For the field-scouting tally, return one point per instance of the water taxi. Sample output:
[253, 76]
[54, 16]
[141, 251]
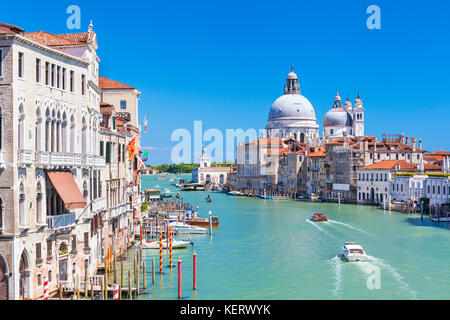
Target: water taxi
[316, 216]
[153, 194]
[353, 252]
[182, 228]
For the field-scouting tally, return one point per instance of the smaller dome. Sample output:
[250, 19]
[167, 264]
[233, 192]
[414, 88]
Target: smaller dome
[358, 100]
[337, 117]
[347, 104]
[337, 98]
[292, 76]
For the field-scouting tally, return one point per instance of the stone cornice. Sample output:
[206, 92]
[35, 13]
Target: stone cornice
[45, 48]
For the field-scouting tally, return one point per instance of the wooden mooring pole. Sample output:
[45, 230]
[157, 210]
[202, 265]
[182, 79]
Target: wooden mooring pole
[130, 296]
[144, 280]
[153, 270]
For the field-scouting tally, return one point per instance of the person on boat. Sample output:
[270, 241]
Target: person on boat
[208, 198]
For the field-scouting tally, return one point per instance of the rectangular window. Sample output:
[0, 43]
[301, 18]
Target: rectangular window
[83, 84]
[1, 62]
[86, 240]
[74, 243]
[38, 70]
[71, 81]
[58, 76]
[108, 152]
[53, 75]
[47, 64]
[38, 251]
[49, 248]
[21, 65]
[123, 104]
[114, 122]
[64, 78]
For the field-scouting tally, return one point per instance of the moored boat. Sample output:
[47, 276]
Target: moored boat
[182, 228]
[176, 244]
[204, 221]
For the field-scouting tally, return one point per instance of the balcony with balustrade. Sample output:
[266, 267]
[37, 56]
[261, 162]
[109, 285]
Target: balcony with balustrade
[25, 158]
[61, 221]
[46, 159]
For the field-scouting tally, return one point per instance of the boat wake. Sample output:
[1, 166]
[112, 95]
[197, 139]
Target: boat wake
[349, 226]
[380, 263]
[337, 266]
[315, 225]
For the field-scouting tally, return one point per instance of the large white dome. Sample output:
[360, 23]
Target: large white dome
[292, 107]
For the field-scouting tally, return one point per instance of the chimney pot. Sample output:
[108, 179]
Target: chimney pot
[407, 140]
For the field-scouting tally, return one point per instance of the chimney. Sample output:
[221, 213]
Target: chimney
[420, 143]
[366, 145]
[407, 140]
[413, 142]
[375, 144]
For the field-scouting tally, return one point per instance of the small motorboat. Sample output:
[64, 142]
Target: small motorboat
[353, 252]
[182, 228]
[208, 198]
[177, 196]
[167, 190]
[316, 216]
[204, 221]
[176, 244]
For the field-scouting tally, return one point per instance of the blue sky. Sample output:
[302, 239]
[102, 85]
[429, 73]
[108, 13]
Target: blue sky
[225, 62]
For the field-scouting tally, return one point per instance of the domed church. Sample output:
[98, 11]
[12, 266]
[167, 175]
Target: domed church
[292, 115]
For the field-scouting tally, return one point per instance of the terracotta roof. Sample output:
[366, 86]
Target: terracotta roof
[320, 153]
[440, 153]
[9, 28]
[390, 165]
[275, 151]
[431, 166]
[60, 40]
[433, 158]
[105, 83]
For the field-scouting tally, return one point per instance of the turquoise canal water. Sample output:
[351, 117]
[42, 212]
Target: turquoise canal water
[268, 249]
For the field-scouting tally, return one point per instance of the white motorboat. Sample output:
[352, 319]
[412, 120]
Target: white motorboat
[167, 190]
[176, 244]
[182, 228]
[353, 252]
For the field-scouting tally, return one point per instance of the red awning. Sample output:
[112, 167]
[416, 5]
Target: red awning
[67, 189]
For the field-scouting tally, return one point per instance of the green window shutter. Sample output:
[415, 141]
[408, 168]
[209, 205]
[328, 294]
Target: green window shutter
[108, 152]
[101, 148]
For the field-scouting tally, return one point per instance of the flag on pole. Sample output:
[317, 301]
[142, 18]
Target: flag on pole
[130, 147]
[145, 156]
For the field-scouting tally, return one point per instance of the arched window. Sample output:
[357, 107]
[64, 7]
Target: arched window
[85, 190]
[302, 137]
[2, 209]
[72, 134]
[221, 179]
[64, 133]
[58, 133]
[1, 129]
[84, 137]
[47, 130]
[21, 128]
[37, 134]
[39, 211]
[22, 217]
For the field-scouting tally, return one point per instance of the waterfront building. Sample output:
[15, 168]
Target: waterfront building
[374, 180]
[343, 119]
[345, 155]
[125, 100]
[317, 171]
[118, 225]
[50, 161]
[205, 174]
[292, 115]
[257, 165]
